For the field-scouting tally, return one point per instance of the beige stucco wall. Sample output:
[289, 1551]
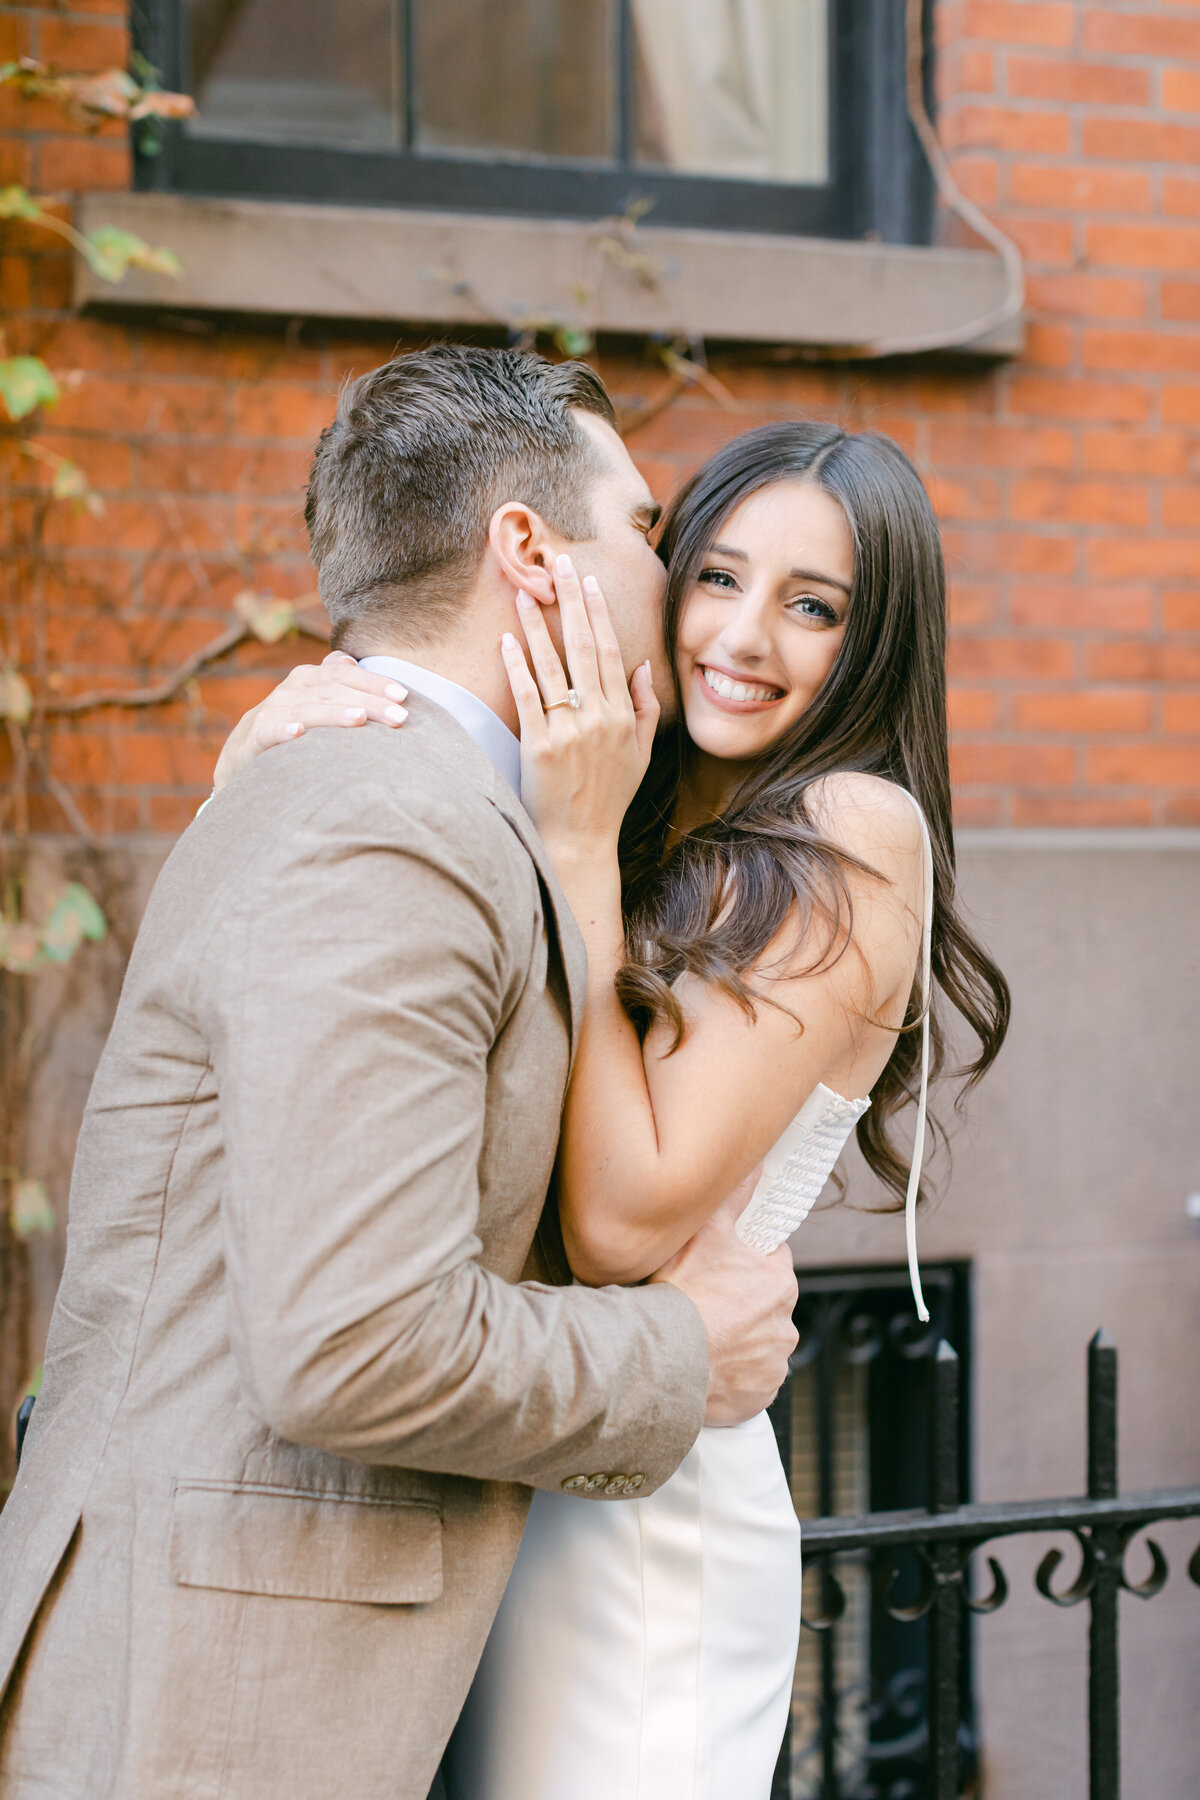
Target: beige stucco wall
[1068, 1189]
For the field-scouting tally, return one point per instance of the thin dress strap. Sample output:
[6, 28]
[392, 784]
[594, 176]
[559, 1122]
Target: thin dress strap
[914, 1172]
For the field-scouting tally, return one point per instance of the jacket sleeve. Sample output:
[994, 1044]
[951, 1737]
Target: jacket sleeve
[364, 981]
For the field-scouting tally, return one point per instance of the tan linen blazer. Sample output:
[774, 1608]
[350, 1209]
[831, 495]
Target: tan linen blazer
[296, 1392]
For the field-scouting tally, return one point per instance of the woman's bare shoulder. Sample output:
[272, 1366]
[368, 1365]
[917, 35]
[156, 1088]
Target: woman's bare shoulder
[871, 817]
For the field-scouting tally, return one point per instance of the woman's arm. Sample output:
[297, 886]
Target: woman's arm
[653, 1142]
[333, 692]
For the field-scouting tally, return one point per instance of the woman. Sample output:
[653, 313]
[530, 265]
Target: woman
[767, 899]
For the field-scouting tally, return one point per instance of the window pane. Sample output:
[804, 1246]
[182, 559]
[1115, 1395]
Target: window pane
[733, 87]
[296, 71]
[522, 77]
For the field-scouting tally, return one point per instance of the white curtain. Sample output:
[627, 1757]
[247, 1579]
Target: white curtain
[734, 87]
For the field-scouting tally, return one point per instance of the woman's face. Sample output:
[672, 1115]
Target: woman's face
[764, 620]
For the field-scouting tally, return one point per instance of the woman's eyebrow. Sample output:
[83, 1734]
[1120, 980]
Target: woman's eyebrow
[793, 574]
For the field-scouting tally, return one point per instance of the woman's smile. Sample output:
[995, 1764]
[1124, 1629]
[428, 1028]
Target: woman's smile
[732, 691]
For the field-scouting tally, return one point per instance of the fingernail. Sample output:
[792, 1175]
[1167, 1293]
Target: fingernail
[524, 599]
[355, 712]
[394, 691]
[563, 564]
[395, 715]
[590, 585]
[509, 641]
[293, 730]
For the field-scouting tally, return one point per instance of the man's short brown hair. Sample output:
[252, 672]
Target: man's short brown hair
[421, 453]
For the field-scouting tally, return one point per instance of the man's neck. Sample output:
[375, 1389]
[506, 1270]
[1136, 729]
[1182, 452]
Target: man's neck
[474, 666]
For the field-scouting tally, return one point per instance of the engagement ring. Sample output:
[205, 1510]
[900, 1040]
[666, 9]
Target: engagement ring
[570, 699]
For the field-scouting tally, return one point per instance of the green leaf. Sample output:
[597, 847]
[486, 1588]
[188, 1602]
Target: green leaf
[30, 1209]
[268, 618]
[16, 701]
[74, 917]
[572, 340]
[18, 203]
[112, 251]
[25, 384]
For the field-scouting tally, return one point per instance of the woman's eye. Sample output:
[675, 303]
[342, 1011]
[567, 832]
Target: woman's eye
[811, 608]
[719, 578]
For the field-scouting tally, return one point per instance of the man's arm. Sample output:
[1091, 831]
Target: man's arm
[372, 967]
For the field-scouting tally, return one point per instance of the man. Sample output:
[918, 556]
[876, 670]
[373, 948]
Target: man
[307, 1360]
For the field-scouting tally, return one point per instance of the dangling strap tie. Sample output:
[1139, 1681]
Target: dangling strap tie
[914, 1173]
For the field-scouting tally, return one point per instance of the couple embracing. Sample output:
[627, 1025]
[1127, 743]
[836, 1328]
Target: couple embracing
[360, 1465]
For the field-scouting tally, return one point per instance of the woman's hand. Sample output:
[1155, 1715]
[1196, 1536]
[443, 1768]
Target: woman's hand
[334, 692]
[582, 760]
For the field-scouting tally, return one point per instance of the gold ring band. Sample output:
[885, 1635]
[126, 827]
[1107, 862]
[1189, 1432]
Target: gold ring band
[571, 699]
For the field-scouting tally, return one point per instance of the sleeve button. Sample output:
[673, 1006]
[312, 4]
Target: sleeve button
[573, 1483]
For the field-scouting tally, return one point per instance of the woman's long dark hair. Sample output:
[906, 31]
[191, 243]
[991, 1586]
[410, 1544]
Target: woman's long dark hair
[714, 904]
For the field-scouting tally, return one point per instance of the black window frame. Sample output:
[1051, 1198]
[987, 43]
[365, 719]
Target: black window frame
[879, 184]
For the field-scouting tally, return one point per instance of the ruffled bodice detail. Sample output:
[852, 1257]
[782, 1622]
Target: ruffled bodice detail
[798, 1167]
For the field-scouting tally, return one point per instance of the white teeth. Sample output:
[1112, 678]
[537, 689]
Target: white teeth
[737, 690]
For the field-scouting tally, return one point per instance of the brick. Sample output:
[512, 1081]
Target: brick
[220, 469]
[1181, 507]
[145, 408]
[1141, 34]
[957, 444]
[1136, 660]
[76, 165]
[1044, 396]
[106, 462]
[1140, 140]
[972, 709]
[133, 525]
[1181, 809]
[1044, 810]
[1072, 80]
[973, 603]
[967, 70]
[1048, 346]
[1126, 452]
[1007, 128]
[1042, 607]
[978, 177]
[79, 48]
[1144, 246]
[53, 282]
[1181, 196]
[16, 162]
[1102, 710]
[1074, 188]
[1142, 352]
[1053, 499]
[1011, 659]
[89, 344]
[1181, 90]
[1043, 242]
[1088, 296]
[1181, 714]
[1124, 559]
[1144, 765]
[223, 353]
[1181, 609]
[1181, 404]
[1020, 22]
[173, 813]
[963, 498]
[1036, 765]
[277, 411]
[974, 809]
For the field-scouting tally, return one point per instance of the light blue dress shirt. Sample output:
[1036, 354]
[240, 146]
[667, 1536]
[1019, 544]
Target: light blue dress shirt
[477, 719]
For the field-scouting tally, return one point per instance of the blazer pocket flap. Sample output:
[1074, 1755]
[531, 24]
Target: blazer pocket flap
[305, 1546]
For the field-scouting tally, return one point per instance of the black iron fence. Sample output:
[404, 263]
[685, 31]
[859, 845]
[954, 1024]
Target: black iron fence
[934, 1758]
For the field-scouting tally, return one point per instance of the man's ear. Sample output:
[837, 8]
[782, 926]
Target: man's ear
[520, 542]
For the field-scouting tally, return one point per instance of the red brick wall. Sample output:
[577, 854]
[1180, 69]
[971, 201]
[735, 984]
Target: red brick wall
[1066, 481]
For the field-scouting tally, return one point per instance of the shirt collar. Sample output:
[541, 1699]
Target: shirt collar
[477, 719]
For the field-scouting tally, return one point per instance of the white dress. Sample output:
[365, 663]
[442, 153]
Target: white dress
[645, 1649]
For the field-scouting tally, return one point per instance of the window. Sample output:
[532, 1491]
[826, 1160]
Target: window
[852, 1424]
[754, 115]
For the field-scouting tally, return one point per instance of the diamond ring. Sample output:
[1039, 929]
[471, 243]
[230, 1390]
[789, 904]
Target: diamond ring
[571, 699]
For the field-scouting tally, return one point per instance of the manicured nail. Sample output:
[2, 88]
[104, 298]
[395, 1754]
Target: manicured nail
[590, 585]
[353, 714]
[563, 564]
[395, 715]
[524, 599]
[292, 730]
[394, 691]
[509, 641]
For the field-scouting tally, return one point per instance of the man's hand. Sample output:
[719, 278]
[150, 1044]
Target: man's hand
[333, 692]
[746, 1301]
